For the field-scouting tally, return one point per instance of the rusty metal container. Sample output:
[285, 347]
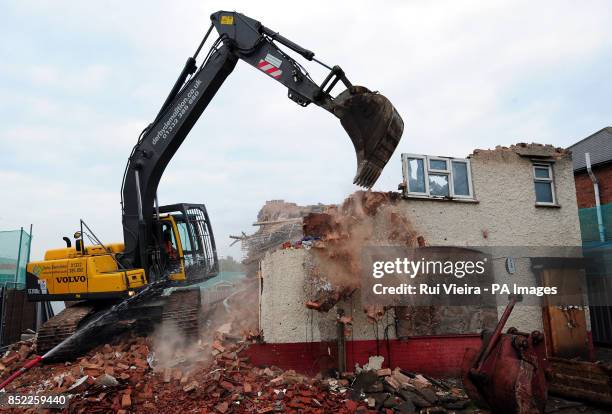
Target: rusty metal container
[507, 375]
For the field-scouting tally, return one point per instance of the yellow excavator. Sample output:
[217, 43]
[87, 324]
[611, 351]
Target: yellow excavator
[173, 245]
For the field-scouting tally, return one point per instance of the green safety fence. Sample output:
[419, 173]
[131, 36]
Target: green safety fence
[14, 256]
[588, 223]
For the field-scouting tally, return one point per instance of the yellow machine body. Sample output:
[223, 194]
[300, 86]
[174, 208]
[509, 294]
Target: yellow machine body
[93, 272]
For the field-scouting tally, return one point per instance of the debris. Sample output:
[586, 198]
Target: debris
[190, 379]
[192, 386]
[79, 385]
[374, 364]
[384, 372]
[106, 380]
[126, 401]
[181, 379]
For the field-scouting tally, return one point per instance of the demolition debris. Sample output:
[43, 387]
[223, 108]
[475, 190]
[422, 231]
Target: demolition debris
[127, 376]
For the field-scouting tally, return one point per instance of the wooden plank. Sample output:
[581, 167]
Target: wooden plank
[584, 381]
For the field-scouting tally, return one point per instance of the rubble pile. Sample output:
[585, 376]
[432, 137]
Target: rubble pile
[398, 391]
[127, 377]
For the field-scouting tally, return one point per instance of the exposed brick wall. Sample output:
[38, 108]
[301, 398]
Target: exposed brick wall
[584, 186]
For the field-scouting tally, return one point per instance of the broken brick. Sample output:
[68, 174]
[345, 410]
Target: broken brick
[8, 360]
[226, 386]
[217, 345]
[167, 374]
[192, 386]
[126, 401]
[177, 374]
[222, 407]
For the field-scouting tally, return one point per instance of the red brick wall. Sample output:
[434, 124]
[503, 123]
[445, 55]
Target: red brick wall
[584, 186]
[438, 356]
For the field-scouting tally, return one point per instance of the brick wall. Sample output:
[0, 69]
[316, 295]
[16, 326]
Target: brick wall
[437, 356]
[584, 186]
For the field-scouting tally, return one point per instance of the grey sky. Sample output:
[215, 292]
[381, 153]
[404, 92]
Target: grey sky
[79, 80]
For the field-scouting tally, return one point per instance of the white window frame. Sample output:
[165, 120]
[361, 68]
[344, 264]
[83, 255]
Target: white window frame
[550, 179]
[405, 160]
[427, 170]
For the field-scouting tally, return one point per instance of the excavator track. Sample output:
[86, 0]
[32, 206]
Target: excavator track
[182, 310]
[60, 327]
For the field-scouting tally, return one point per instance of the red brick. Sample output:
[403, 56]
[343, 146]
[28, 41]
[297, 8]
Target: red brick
[126, 401]
[226, 386]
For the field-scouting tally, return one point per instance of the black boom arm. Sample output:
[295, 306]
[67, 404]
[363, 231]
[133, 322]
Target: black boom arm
[240, 37]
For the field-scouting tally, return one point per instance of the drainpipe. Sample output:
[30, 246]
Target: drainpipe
[600, 226]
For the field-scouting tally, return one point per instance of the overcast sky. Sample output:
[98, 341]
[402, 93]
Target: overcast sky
[80, 79]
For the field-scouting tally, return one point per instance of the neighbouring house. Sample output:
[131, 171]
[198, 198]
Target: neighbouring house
[592, 158]
[521, 196]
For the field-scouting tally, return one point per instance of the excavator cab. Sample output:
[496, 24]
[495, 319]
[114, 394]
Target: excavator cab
[187, 246]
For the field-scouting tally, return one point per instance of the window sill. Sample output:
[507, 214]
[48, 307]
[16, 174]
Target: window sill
[548, 205]
[448, 199]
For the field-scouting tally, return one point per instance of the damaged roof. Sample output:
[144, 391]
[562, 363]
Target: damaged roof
[533, 150]
[599, 145]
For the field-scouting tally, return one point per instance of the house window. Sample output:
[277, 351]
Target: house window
[544, 184]
[437, 177]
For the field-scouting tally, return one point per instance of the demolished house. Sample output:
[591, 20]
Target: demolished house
[278, 221]
[520, 196]
[297, 337]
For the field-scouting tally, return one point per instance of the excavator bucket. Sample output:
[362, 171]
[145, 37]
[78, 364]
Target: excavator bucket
[374, 126]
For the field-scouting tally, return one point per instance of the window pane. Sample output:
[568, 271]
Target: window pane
[542, 172]
[543, 192]
[416, 175]
[438, 184]
[184, 235]
[460, 179]
[437, 164]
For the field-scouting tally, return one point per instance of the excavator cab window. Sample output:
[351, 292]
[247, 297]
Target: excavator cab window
[170, 246]
[183, 231]
[192, 237]
[170, 250]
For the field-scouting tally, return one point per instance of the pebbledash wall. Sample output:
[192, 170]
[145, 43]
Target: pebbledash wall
[503, 212]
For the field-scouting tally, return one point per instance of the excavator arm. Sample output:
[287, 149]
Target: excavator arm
[371, 121]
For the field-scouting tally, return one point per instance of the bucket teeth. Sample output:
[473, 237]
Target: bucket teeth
[367, 174]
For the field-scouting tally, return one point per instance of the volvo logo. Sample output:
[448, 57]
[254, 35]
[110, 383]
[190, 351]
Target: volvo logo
[70, 279]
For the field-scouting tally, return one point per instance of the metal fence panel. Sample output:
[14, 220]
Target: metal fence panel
[14, 256]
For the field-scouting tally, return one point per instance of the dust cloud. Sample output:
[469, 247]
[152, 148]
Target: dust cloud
[231, 316]
[365, 218]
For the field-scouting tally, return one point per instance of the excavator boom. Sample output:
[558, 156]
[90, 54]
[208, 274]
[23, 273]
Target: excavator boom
[371, 121]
